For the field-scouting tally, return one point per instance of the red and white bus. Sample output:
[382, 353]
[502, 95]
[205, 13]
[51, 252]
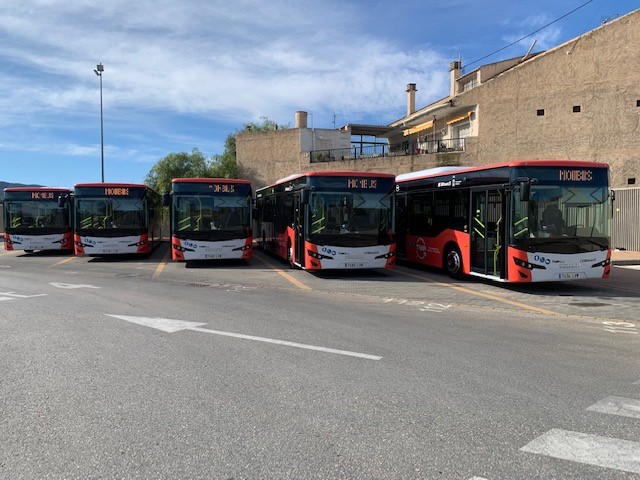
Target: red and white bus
[34, 221]
[115, 218]
[521, 221]
[329, 220]
[210, 218]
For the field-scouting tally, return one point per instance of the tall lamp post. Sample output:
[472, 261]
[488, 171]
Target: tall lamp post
[99, 69]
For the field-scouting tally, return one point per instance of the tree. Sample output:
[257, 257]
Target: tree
[185, 165]
[226, 165]
[178, 165]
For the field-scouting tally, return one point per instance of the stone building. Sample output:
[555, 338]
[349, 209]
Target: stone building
[577, 101]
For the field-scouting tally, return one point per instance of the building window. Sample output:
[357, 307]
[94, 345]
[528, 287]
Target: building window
[637, 103]
[470, 84]
[576, 109]
[631, 181]
[540, 112]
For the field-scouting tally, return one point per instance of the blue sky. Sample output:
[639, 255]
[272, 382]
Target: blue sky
[183, 75]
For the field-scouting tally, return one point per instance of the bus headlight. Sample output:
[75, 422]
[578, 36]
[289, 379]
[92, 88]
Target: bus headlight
[137, 244]
[387, 255]
[528, 265]
[242, 248]
[604, 263]
[319, 256]
[183, 249]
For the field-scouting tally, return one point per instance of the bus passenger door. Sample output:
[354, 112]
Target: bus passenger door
[298, 229]
[487, 232]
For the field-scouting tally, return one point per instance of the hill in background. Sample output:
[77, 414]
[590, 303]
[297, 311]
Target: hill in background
[4, 185]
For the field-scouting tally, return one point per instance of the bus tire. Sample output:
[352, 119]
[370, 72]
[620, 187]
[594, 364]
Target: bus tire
[453, 261]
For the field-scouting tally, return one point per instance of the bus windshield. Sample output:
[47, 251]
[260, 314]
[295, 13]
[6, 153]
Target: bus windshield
[45, 215]
[350, 218]
[214, 217]
[110, 214]
[562, 219]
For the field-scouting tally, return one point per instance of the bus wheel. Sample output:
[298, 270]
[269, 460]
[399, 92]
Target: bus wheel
[453, 262]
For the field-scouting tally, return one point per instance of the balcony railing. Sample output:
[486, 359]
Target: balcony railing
[412, 147]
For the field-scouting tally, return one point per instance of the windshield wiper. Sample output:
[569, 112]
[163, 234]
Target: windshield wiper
[601, 245]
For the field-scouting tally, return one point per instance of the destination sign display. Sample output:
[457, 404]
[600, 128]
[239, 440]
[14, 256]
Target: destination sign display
[346, 183]
[110, 191]
[116, 192]
[44, 195]
[214, 188]
[50, 196]
[223, 188]
[576, 175]
[362, 183]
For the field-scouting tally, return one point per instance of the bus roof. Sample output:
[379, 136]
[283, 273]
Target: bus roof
[331, 173]
[36, 189]
[434, 172]
[111, 185]
[211, 180]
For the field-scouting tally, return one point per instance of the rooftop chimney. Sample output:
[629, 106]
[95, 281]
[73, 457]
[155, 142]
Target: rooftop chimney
[411, 98]
[301, 119]
[454, 74]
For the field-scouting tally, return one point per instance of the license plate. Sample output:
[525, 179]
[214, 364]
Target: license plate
[354, 265]
[570, 276]
[211, 255]
[110, 250]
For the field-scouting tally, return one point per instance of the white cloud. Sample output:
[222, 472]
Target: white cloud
[228, 60]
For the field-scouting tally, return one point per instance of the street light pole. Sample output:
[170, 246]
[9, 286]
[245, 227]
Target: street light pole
[99, 69]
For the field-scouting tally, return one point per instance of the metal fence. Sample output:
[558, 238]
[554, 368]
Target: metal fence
[625, 227]
[412, 147]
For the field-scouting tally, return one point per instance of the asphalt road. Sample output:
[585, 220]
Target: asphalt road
[145, 368]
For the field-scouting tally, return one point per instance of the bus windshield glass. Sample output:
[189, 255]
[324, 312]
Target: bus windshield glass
[563, 217]
[216, 217]
[350, 218]
[110, 214]
[41, 214]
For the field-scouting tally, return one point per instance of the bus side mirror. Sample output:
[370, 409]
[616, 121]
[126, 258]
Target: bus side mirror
[525, 191]
[62, 199]
[166, 199]
[304, 196]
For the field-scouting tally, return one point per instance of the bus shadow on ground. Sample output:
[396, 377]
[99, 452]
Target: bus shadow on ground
[598, 290]
[366, 274]
[46, 253]
[213, 264]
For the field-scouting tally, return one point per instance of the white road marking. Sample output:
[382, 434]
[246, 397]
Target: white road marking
[422, 305]
[13, 296]
[171, 326]
[625, 407]
[590, 449]
[620, 327]
[71, 285]
[164, 324]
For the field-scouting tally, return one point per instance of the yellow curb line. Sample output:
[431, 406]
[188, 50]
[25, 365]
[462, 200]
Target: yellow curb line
[291, 279]
[162, 263]
[484, 295]
[62, 261]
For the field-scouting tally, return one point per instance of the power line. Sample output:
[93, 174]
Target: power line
[532, 33]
